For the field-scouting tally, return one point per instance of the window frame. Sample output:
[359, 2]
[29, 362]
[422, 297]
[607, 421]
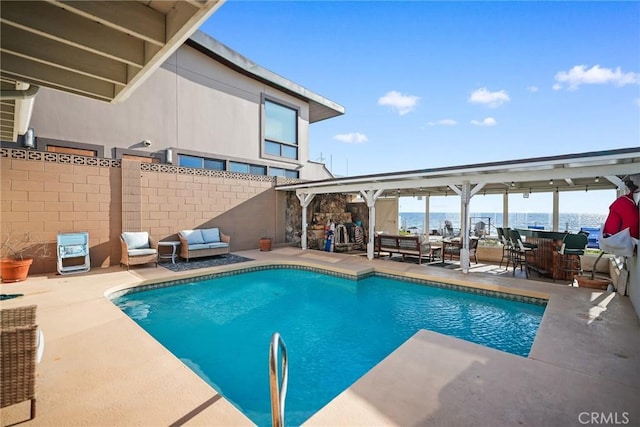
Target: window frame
[120, 154]
[42, 144]
[263, 139]
[250, 168]
[286, 173]
[203, 160]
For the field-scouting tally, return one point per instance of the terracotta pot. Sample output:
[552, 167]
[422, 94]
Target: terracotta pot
[595, 283]
[15, 270]
[265, 245]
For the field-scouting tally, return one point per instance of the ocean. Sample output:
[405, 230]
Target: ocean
[571, 222]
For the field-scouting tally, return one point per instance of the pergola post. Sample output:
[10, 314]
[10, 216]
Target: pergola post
[465, 197]
[427, 223]
[370, 196]
[305, 200]
[505, 210]
[556, 212]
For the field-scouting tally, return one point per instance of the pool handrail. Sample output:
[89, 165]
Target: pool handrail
[278, 391]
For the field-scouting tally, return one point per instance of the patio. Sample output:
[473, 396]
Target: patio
[100, 368]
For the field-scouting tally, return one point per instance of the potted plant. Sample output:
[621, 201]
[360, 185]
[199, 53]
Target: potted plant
[265, 242]
[17, 253]
[590, 281]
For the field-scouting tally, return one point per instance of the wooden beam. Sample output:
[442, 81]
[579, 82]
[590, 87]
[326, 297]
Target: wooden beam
[46, 75]
[129, 17]
[197, 3]
[51, 52]
[175, 36]
[178, 17]
[63, 26]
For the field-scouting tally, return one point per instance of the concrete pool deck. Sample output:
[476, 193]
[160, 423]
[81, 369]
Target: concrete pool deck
[99, 368]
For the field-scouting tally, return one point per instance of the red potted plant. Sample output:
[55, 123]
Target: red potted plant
[265, 242]
[17, 254]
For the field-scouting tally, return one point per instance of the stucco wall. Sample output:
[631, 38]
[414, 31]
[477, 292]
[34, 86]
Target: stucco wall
[191, 102]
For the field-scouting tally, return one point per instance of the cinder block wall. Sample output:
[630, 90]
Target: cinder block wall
[174, 198]
[44, 194]
[42, 198]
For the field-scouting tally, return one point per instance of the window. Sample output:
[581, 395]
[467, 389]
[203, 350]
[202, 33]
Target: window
[284, 172]
[68, 150]
[200, 162]
[142, 159]
[189, 161]
[214, 164]
[247, 168]
[280, 130]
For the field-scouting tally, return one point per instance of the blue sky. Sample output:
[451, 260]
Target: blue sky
[429, 84]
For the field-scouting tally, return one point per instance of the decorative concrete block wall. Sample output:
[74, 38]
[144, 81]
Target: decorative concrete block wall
[45, 193]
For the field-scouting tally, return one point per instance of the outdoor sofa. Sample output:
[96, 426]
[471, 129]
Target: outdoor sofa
[404, 245]
[201, 242]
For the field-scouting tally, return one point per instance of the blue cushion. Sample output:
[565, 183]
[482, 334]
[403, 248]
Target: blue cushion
[194, 237]
[210, 235]
[218, 245]
[197, 246]
[136, 239]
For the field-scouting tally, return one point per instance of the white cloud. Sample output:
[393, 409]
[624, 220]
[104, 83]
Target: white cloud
[488, 121]
[533, 89]
[580, 75]
[399, 102]
[351, 138]
[492, 99]
[443, 122]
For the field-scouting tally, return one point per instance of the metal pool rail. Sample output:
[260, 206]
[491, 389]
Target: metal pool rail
[278, 391]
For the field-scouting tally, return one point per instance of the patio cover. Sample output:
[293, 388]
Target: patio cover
[99, 49]
[596, 170]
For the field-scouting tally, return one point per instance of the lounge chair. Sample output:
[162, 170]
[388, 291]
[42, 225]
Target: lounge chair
[138, 248]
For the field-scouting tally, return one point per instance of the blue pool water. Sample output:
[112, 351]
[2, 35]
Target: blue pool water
[335, 329]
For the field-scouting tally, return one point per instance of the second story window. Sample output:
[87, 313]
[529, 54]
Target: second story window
[280, 130]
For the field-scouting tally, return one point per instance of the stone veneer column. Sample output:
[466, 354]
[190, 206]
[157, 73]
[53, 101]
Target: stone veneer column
[131, 192]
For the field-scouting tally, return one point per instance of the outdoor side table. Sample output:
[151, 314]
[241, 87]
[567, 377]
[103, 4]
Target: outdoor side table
[174, 247]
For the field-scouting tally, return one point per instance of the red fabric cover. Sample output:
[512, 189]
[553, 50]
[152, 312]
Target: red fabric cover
[623, 213]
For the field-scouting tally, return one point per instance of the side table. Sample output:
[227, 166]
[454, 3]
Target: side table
[174, 247]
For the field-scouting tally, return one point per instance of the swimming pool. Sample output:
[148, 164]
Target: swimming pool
[336, 329]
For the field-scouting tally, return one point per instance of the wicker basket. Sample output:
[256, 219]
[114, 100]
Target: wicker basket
[18, 344]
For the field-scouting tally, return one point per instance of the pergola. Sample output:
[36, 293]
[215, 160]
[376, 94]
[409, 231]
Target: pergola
[597, 170]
